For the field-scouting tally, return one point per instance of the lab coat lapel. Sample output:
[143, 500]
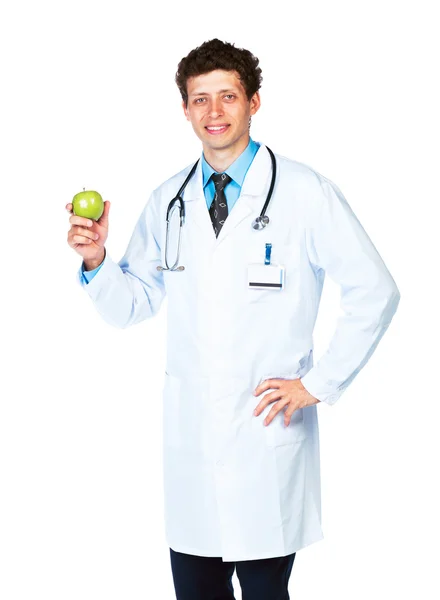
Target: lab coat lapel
[196, 211]
[255, 184]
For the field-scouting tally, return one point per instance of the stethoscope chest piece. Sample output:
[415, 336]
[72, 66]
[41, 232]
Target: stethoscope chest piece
[260, 222]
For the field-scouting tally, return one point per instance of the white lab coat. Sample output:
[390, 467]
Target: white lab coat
[233, 487]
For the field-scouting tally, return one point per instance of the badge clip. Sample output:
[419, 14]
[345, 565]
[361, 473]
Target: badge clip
[268, 253]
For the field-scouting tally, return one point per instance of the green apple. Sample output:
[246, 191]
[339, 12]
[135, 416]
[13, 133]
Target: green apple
[88, 204]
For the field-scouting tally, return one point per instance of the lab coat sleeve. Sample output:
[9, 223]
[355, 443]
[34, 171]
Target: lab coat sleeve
[89, 275]
[338, 244]
[132, 290]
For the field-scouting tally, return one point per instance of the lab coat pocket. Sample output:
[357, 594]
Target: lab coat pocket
[171, 411]
[276, 432]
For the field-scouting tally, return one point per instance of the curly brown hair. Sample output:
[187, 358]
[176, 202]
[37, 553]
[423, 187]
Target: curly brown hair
[216, 54]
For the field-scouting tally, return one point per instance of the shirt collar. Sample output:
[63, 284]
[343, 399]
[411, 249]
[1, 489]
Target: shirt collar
[239, 167]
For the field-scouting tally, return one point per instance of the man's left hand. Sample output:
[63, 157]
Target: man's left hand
[288, 392]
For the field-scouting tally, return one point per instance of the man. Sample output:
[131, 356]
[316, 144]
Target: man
[242, 489]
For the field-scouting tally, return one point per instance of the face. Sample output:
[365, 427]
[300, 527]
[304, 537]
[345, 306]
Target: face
[219, 110]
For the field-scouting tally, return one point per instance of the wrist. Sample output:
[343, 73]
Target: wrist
[310, 398]
[92, 263]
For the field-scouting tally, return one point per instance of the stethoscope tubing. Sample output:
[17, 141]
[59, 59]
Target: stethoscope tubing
[272, 183]
[178, 196]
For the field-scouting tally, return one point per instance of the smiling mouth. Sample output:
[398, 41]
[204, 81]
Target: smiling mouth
[216, 129]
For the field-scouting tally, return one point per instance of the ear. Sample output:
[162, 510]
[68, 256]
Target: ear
[185, 110]
[255, 103]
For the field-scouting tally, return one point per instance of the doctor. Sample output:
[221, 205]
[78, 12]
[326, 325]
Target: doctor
[241, 388]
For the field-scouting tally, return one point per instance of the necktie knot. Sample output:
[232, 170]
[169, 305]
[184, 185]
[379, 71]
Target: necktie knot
[220, 180]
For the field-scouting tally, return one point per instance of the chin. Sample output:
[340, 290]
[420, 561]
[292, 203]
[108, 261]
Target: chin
[217, 141]
[220, 144]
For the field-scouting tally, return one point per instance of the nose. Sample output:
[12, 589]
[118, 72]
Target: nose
[216, 108]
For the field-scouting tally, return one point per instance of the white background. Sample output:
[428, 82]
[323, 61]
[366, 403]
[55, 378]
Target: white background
[89, 100]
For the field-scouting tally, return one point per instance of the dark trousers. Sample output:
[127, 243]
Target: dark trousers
[209, 578]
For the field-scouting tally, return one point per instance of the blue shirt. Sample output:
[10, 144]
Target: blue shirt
[237, 172]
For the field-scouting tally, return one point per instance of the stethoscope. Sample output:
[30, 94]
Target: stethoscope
[259, 223]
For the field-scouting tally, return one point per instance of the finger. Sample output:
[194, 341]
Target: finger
[81, 239]
[85, 233]
[69, 207]
[275, 410]
[267, 399]
[267, 384]
[103, 220]
[82, 221]
[289, 412]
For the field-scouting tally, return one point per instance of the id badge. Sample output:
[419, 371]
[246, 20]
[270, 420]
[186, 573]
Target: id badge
[266, 276]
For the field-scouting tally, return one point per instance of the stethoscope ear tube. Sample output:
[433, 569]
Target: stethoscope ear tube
[181, 208]
[178, 196]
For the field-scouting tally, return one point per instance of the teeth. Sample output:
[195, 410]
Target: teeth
[217, 128]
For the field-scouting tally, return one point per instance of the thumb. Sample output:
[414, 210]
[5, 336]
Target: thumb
[103, 220]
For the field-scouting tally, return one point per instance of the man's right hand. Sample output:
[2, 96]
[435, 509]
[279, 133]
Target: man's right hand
[88, 237]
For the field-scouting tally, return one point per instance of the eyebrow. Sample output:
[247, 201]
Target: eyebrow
[220, 92]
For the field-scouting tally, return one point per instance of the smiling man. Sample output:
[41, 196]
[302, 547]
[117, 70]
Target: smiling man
[241, 469]
[219, 110]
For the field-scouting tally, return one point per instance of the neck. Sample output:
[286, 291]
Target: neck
[221, 158]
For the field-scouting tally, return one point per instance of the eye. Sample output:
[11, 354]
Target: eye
[199, 100]
[229, 96]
